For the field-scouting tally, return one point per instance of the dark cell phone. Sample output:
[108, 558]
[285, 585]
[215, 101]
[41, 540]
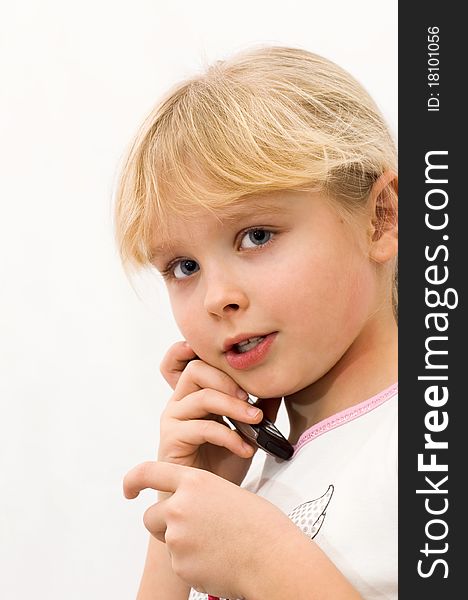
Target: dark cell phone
[266, 436]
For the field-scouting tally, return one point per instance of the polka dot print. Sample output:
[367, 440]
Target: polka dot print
[310, 515]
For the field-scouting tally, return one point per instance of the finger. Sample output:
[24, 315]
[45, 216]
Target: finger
[160, 476]
[174, 362]
[197, 433]
[199, 375]
[206, 402]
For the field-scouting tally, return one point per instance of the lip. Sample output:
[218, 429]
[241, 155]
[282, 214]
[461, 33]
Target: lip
[230, 342]
[252, 357]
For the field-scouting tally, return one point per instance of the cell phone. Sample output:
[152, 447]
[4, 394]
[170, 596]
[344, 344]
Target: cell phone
[266, 436]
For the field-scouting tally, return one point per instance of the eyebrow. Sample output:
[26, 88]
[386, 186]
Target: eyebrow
[252, 208]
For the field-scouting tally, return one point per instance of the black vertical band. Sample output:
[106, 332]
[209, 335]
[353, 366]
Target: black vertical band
[432, 319]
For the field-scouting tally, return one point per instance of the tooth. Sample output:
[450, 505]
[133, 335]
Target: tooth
[249, 344]
[249, 340]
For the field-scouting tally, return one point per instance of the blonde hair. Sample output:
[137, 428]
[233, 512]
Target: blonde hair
[266, 119]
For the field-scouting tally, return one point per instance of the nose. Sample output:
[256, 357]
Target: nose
[225, 295]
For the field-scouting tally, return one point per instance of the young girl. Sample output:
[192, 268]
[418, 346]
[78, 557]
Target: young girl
[264, 191]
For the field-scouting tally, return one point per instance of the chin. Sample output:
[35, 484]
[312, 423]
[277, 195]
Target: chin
[274, 389]
[265, 391]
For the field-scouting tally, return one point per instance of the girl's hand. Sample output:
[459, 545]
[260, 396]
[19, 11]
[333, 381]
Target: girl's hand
[192, 431]
[174, 362]
[220, 537]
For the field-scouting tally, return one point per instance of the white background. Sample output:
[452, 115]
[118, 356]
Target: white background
[80, 388]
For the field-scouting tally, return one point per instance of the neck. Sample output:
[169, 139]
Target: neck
[368, 366]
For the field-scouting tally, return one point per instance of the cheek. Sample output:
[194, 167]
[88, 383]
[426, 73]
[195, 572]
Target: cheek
[187, 314]
[349, 302]
[182, 309]
[357, 294]
[325, 295]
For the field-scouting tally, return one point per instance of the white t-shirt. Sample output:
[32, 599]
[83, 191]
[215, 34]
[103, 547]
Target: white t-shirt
[341, 488]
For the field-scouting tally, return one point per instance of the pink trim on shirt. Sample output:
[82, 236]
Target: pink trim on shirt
[345, 416]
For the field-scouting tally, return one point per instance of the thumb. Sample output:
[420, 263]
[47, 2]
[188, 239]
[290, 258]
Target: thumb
[270, 407]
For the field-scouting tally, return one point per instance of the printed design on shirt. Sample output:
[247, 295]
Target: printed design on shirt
[310, 515]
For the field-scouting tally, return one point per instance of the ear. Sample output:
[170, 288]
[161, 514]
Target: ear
[383, 205]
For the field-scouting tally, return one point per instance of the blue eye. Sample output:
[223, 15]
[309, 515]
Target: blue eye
[257, 237]
[184, 268]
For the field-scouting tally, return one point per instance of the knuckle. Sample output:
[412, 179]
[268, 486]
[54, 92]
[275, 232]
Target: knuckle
[172, 539]
[175, 511]
[193, 479]
[204, 395]
[179, 569]
[230, 384]
[213, 400]
[226, 382]
[143, 470]
[147, 518]
[208, 427]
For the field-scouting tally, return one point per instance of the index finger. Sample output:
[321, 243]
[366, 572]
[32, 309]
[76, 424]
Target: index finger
[174, 362]
[161, 476]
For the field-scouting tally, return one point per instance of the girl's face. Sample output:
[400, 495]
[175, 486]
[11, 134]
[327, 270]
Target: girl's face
[283, 263]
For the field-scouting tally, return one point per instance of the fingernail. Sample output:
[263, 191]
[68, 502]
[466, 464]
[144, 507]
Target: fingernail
[242, 395]
[252, 411]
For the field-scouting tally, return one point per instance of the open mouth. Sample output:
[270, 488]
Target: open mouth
[250, 352]
[247, 345]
